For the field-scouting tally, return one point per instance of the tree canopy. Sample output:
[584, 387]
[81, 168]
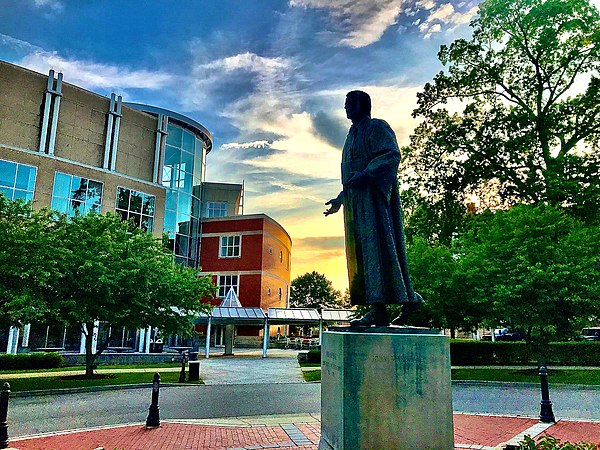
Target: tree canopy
[527, 83]
[90, 269]
[314, 290]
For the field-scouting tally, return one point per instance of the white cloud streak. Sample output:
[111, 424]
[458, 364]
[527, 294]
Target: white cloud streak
[444, 15]
[357, 23]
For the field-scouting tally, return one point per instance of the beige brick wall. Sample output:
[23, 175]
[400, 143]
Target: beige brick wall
[80, 135]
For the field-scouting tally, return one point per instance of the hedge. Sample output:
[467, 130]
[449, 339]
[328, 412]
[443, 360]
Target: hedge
[483, 353]
[478, 353]
[29, 361]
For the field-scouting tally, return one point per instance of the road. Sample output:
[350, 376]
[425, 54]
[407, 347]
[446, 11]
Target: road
[30, 415]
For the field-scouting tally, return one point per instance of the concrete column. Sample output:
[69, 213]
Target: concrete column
[95, 336]
[147, 340]
[13, 340]
[229, 340]
[265, 338]
[26, 333]
[208, 338]
[142, 340]
[82, 341]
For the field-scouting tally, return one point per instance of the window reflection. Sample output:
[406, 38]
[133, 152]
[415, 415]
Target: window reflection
[137, 207]
[17, 181]
[73, 195]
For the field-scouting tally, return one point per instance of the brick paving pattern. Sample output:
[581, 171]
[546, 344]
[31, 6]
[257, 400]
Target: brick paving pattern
[470, 431]
[570, 431]
[488, 431]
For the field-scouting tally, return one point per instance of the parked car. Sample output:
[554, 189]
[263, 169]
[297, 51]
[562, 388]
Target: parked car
[506, 335]
[591, 334]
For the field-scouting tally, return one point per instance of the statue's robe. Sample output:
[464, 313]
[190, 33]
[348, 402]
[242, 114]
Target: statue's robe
[375, 248]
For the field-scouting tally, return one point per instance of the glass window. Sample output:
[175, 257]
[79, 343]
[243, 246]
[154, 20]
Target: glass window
[71, 194]
[230, 246]
[226, 282]
[17, 181]
[188, 142]
[174, 136]
[137, 207]
[216, 209]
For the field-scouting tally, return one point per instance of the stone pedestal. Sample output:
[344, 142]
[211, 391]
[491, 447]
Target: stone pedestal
[386, 388]
[229, 332]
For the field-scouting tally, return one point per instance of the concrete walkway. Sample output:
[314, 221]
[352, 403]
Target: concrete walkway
[481, 432]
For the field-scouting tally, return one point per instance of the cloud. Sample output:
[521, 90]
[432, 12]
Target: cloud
[321, 242]
[356, 23]
[444, 15]
[93, 75]
[330, 128]
[255, 144]
[54, 5]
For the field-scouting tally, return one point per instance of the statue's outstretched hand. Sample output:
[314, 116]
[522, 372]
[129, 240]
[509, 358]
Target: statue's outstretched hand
[335, 206]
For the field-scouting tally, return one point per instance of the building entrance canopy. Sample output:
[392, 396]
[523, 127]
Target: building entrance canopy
[222, 315]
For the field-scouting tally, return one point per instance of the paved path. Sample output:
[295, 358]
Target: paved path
[297, 431]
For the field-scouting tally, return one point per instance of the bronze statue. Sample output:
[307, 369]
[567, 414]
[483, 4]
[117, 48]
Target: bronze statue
[375, 248]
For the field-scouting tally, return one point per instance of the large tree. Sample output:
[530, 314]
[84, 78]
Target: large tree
[527, 83]
[535, 268]
[117, 274]
[314, 290]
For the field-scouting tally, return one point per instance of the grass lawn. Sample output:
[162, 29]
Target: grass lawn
[305, 364]
[556, 376]
[42, 383]
[312, 375]
[101, 367]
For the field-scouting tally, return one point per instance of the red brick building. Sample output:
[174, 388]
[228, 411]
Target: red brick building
[252, 255]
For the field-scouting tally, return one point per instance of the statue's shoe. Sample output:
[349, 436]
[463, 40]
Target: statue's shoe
[407, 310]
[373, 318]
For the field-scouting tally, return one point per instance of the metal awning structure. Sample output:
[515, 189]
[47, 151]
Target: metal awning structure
[238, 315]
[336, 315]
[293, 316]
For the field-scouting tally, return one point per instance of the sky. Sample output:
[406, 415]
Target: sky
[267, 78]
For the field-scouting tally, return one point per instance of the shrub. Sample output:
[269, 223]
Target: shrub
[313, 356]
[478, 353]
[551, 443]
[29, 361]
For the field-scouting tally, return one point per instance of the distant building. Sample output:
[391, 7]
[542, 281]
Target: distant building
[252, 255]
[76, 151]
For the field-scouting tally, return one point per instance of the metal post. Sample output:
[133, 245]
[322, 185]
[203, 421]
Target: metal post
[153, 420]
[57, 95]
[546, 414]
[4, 395]
[183, 361]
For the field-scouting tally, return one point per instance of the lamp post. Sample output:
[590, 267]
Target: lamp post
[153, 420]
[546, 414]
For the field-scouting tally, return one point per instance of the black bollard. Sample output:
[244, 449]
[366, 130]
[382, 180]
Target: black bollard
[182, 373]
[4, 394]
[546, 414]
[153, 420]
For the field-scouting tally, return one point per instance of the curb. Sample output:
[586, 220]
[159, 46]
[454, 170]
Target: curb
[116, 387]
[508, 384]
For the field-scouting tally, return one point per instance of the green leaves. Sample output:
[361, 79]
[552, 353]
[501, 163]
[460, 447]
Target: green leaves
[528, 131]
[314, 290]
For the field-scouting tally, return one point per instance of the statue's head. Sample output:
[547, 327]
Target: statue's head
[358, 105]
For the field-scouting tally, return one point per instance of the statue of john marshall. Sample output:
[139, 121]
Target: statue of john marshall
[375, 248]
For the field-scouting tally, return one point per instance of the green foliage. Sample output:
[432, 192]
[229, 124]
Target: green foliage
[481, 353]
[314, 290]
[30, 361]
[536, 269]
[28, 261]
[529, 128]
[92, 268]
[548, 442]
[313, 356]
[439, 277]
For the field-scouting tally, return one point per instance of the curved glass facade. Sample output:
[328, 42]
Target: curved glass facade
[182, 174]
